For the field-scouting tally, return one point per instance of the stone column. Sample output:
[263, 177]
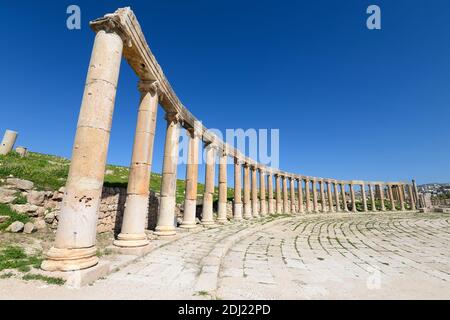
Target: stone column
[330, 197]
[270, 193]
[416, 194]
[165, 224]
[307, 196]
[247, 204]
[286, 207]
[223, 196]
[190, 201]
[364, 197]
[353, 198]
[391, 197]
[255, 211]
[336, 196]
[237, 214]
[300, 196]
[208, 195]
[372, 196]
[279, 205]
[136, 205]
[401, 195]
[344, 200]
[383, 207]
[314, 190]
[322, 196]
[9, 139]
[74, 246]
[262, 192]
[292, 190]
[412, 202]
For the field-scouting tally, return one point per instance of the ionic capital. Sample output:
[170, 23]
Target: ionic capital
[151, 86]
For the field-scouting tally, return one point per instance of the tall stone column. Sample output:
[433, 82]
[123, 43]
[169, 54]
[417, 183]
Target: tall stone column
[353, 198]
[237, 214]
[314, 190]
[247, 204]
[322, 196]
[190, 201]
[364, 197]
[165, 224]
[136, 205]
[279, 203]
[401, 194]
[330, 197]
[391, 197]
[344, 200]
[416, 194]
[381, 188]
[300, 196]
[336, 196]
[307, 195]
[285, 195]
[222, 206]
[292, 190]
[372, 197]
[262, 192]
[9, 139]
[255, 201]
[74, 246]
[412, 202]
[208, 195]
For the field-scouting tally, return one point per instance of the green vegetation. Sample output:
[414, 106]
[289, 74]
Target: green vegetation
[49, 280]
[14, 257]
[20, 199]
[6, 275]
[5, 210]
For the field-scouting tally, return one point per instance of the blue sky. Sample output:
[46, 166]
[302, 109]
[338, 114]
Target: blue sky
[350, 103]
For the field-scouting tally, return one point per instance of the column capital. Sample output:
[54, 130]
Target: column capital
[111, 23]
[151, 86]
[172, 117]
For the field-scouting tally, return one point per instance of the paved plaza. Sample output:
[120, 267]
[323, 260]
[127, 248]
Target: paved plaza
[320, 256]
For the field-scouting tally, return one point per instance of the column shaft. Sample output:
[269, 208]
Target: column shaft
[372, 197]
[353, 198]
[223, 197]
[9, 139]
[336, 196]
[208, 195]
[381, 188]
[412, 202]
[255, 204]
[314, 190]
[322, 196]
[330, 197]
[190, 201]
[364, 197]
[237, 190]
[247, 204]
[401, 194]
[344, 200]
[300, 196]
[285, 195]
[279, 203]
[307, 196]
[292, 190]
[391, 198]
[270, 193]
[262, 192]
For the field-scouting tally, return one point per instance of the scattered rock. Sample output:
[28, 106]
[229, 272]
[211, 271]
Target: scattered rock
[36, 197]
[7, 195]
[20, 183]
[29, 209]
[29, 227]
[49, 217]
[15, 227]
[109, 171]
[4, 218]
[40, 224]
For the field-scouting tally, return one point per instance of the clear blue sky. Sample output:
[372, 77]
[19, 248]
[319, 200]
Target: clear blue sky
[350, 103]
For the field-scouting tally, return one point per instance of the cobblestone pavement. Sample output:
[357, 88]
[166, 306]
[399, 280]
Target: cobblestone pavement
[317, 256]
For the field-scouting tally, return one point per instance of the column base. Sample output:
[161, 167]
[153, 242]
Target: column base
[207, 222]
[188, 225]
[70, 259]
[126, 240]
[222, 221]
[165, 231]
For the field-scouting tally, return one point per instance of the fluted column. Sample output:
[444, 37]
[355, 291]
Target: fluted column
[314, 190]
[190, 201]
[353, 198]
[330, 197]
[247, 203]
[372, 197]
[222, 205]
[381, 188]
[208, 195]
[255, 201]
[401, 194]
[270, 193]
[344, 200]
[237, 207]
[391, 197]
[136, 205]
[262, 192]
[279, 203]
[292, 191]
[286, 208]
[364, 197]
[412, 202]
[165, 225]
[300, 196]
[307, 196]
[336, 196]
[74, 246]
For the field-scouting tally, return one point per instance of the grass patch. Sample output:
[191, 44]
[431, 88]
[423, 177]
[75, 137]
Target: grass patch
[5, 210]
[20, 199]
[40, 277]
[14, 257]
[202, 293]
[6, 275]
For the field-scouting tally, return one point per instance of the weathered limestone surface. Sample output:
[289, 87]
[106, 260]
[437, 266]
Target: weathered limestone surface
[9, 139]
